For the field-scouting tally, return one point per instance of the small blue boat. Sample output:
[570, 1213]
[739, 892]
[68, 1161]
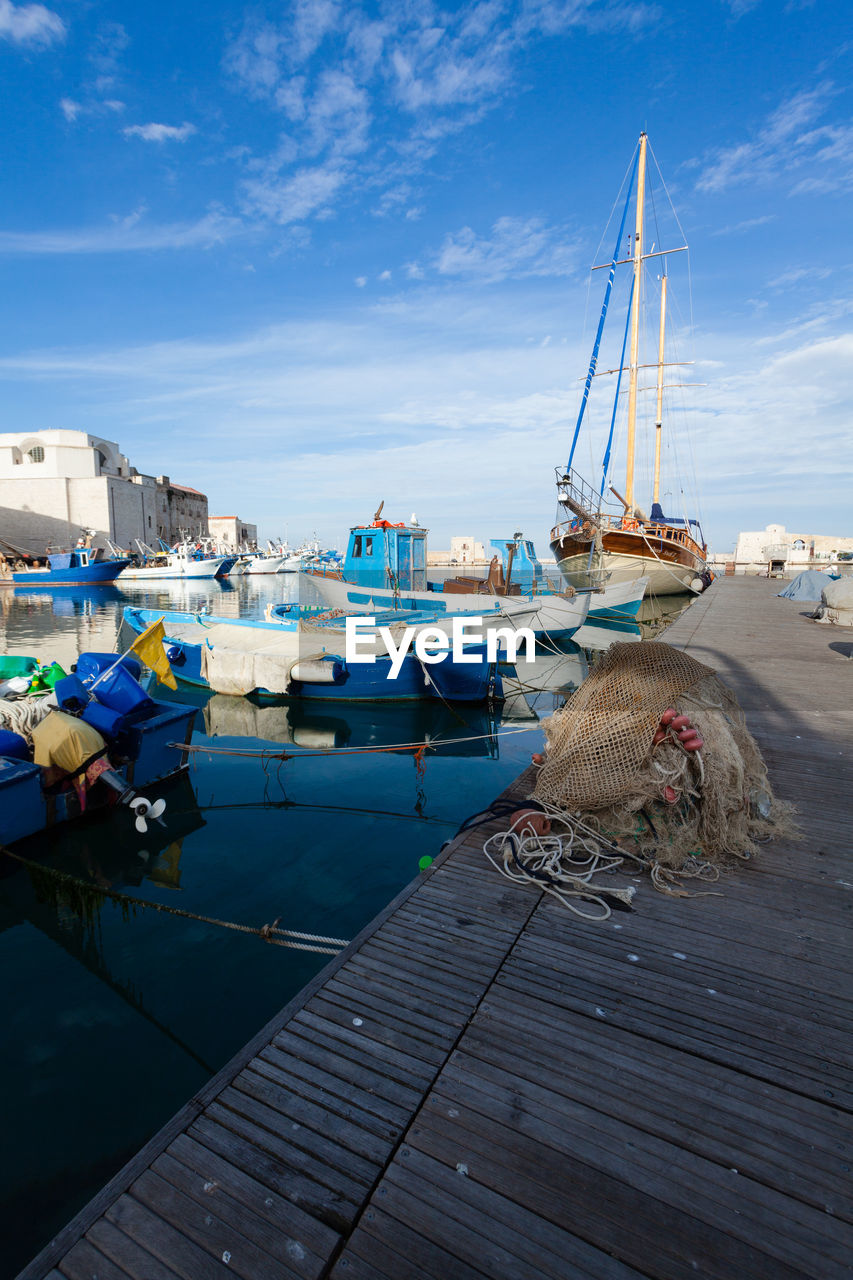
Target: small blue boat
[134, 739]
[68, 569]
[273, 660]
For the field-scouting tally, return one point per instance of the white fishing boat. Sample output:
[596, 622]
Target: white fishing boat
[185, 560]
[605, 541]
[269, 561]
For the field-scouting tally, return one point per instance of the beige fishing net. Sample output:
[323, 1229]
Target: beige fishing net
[709, 806]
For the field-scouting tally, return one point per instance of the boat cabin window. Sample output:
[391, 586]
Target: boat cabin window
[84, 558]
[356, 546]
[368, 546]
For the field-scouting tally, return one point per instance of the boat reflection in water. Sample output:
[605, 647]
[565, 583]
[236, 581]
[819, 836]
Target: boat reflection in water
[469, 731]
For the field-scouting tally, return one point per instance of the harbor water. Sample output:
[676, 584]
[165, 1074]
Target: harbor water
[116, 1013]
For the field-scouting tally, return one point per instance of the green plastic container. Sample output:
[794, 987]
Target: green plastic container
[49, 675]
[12, 666]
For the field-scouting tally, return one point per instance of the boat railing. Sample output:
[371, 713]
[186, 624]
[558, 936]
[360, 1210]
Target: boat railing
[578, 495]
[627, 524]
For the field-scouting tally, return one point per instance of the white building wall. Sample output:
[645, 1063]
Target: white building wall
[56, 484]
[231, 531]
[756, 549]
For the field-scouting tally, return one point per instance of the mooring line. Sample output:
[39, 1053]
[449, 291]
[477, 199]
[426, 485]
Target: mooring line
[309, 941]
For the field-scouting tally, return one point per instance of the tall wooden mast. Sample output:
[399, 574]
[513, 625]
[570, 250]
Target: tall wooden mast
[635, 324]
[659, 414]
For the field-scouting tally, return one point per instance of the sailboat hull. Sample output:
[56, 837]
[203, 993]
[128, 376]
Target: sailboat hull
[671, 566]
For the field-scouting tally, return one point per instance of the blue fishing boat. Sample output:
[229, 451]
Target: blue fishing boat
[302, 654]
[102, 740]
[385, 568]
[612, 602]
[75, 568]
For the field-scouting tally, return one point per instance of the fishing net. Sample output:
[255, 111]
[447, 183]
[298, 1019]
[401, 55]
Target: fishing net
[675, 805]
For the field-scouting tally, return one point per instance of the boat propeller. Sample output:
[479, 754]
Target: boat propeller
[147, 810]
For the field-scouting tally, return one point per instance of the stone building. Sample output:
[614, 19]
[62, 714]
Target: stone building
[788, 552]
[57, 485]
[231, 531]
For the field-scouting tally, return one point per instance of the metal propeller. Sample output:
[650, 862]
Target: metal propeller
[146, 811]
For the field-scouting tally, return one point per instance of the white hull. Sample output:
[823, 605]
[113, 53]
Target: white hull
[174, 572]
[664, 578]
[552, 614]
[265, 564]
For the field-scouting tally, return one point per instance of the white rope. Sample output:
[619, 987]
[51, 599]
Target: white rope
[570, 861]
[22, 715]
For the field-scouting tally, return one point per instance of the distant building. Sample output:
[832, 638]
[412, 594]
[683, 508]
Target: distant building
[57, 485]
[785, 551]
[463, 550]
[231, 531]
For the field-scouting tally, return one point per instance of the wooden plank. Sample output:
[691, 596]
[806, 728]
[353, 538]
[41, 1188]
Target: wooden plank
[425, 1192]
[275, 1164]
[266, 1249]
[308, 1242]
[348, 1137]
[126, 1253]
[85, 1261]
[635, 1226]
[214, 1235]
[161, 1239]
[725, 1198]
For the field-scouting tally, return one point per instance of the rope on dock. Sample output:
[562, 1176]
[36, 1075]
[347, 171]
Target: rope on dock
[283, 937]
[563, 865]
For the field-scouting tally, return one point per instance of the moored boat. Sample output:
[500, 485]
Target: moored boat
[385, 568]
[603, 541]
[75, 568]
[102, 741]
[304, 655]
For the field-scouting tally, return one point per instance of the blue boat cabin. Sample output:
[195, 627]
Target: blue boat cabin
[387, 555]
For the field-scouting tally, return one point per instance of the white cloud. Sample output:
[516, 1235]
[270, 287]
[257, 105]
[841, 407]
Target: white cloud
[427, 73]
[126, 235]
[361, 281]
[70, 109]
[160, 132]
[517, 247]
[789, 143]
[307, 192]
[30, 24]
[385, 276]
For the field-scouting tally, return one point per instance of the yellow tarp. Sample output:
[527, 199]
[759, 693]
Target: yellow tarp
[65, 741]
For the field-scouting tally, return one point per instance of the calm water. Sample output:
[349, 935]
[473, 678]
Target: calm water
[113, 1018]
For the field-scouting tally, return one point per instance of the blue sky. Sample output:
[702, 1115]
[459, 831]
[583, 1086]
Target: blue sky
[308, 256]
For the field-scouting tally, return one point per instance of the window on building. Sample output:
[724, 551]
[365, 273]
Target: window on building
[36, 454]
[149, 522]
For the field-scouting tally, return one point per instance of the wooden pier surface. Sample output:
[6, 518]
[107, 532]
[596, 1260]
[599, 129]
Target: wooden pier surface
[486, 1085]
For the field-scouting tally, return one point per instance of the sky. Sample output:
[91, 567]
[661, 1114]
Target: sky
[310, 256]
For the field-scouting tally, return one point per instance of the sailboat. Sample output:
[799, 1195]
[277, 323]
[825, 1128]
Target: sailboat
[601, 541]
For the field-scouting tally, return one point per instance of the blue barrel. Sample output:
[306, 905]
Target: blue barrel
[121, 691]
[91, 665]
[71, 694]
[108, 722]
[13, 746]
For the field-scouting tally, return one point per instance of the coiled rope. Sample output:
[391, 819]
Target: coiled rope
[562, 864]
[22, 715]
[268, 932]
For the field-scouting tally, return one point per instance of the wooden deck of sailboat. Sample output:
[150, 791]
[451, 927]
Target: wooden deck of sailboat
[485, 1085]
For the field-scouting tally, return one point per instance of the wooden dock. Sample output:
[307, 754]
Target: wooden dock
[484, 1085]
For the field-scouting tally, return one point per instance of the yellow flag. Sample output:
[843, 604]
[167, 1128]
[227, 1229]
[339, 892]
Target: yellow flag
[149, 649]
